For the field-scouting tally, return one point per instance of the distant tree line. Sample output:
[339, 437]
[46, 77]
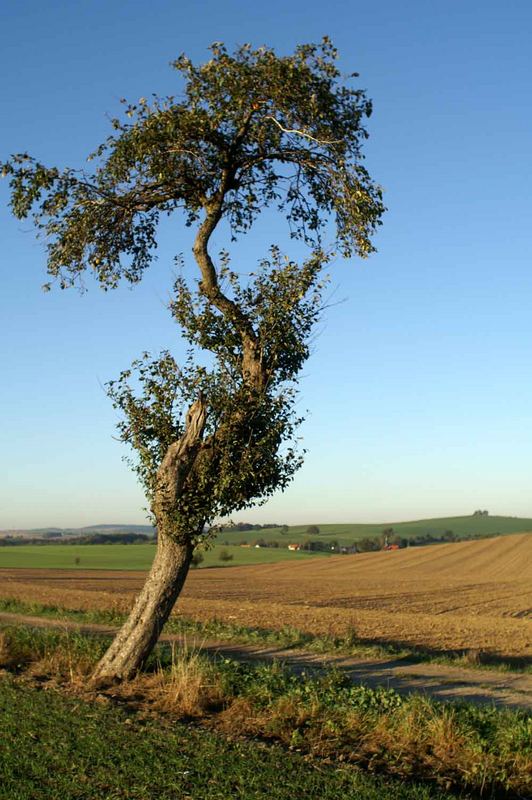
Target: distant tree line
[389, 537]
[312, 530]
[321, 546]
[248, 526]
[371, 544]
[112, 538]
[93, 538]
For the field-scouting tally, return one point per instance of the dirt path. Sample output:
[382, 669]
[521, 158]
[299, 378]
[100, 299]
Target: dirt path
[442, 682]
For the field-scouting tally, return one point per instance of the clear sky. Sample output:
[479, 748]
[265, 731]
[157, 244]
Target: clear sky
[420, 387]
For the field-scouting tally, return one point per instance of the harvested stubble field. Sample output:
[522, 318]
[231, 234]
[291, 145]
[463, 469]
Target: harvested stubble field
[450, 597]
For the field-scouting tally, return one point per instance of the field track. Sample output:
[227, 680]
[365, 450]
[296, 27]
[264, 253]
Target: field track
[440, 681]
[450, 597]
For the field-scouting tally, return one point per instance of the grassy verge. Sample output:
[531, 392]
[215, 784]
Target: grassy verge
[476, 749]
[287, 637]
[84, 751]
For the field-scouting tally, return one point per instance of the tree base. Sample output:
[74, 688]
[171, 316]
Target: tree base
[136, 639]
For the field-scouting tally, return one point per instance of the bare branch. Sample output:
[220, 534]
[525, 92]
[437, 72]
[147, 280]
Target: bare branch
[303, 133]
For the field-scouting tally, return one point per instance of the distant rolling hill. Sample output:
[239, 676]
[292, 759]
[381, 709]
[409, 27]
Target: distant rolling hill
[462, 527]
[147, 530]
[45, 533]
[345, 533]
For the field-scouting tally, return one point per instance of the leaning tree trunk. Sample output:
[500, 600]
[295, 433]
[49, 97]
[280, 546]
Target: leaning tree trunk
[137, 637]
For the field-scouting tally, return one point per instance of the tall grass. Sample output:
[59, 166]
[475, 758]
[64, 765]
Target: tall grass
[62, 654]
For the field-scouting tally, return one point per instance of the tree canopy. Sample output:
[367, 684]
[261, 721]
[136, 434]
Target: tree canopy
[251, 129]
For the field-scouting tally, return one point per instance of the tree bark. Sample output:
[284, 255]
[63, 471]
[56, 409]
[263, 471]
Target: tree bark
[138, 636]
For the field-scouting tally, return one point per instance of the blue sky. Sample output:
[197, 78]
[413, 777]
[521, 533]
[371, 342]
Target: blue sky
[419, 390]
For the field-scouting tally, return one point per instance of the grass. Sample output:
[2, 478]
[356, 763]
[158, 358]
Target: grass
[54, 746]
[476, 749]
[62, 654]
[131, 557]
[350, 532]
[285, 638]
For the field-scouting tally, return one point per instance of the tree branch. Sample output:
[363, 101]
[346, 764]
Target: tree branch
[303, 133]
[251, 358]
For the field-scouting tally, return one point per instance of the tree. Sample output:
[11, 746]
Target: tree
[386, 536]
[313, 530]
[250, 130]
[368, 545]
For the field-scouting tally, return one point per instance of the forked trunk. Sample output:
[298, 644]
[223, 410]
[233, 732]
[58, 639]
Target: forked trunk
[138, 636]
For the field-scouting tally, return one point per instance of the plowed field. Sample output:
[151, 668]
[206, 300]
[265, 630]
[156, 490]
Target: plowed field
[444, 597]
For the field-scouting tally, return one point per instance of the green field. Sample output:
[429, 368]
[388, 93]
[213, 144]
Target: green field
[351, 532]
[52, 747]
[130, 556]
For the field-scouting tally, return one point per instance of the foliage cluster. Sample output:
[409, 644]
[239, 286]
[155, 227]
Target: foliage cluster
[261, 111]
[249, 444]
